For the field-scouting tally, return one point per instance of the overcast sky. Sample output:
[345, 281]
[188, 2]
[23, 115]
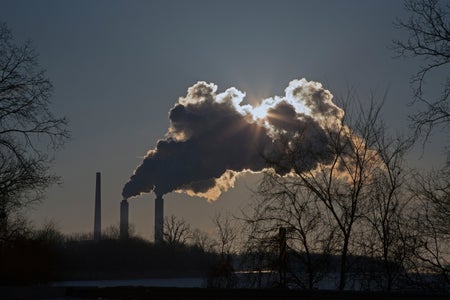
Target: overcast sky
[119, 66]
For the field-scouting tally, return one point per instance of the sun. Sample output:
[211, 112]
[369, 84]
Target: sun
[259, 112]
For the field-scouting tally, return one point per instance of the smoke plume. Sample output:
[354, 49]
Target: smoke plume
[213, 138]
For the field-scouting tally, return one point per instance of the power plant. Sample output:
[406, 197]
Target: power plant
[124, 215]
[159, 219]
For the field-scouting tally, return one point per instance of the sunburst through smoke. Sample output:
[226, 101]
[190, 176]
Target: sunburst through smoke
[213, 138]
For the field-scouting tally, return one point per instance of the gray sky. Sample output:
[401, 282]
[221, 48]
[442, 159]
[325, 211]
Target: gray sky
[119, 66]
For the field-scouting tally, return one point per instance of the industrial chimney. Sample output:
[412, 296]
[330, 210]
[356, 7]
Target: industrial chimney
[124, 219]
[159, 219]
[97, 208]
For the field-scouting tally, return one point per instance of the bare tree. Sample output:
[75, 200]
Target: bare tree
[343, 184]
[203, 241]
[260, 249]
[434, 187]
[428, 28]
[283, 202]
[221, 274]
[226, 234]
[429, 39]
[431, 224]
[388, 200]
[176, 231]
[28, 129]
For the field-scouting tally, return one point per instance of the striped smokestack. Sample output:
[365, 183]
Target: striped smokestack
[159, 219]
[98, 208]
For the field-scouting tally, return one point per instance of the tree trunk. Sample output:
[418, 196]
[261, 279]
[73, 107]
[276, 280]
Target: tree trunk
[343, 270]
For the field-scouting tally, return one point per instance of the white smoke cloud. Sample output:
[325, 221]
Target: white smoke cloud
[213, 138]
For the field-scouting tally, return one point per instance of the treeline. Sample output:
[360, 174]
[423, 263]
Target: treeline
[236, 255]
[45, 255]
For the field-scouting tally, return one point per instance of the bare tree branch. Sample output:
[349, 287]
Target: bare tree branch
[176, 231]
[429, 39]
[29, 131]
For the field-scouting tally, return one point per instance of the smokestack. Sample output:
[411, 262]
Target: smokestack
[159, 219]
[98, 209]
[124, 219]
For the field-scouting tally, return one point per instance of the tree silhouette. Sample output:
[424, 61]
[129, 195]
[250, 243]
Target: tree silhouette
[332, 207]
[283, 202]
[428, 28]
[29, 131]
[176, 231]
[431, 223]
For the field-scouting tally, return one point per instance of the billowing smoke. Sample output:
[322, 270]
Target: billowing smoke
[213, 138]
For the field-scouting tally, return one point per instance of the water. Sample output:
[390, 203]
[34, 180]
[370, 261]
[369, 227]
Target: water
[185, 282]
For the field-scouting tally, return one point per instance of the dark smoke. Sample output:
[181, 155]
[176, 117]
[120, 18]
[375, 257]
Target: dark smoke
[212, 138]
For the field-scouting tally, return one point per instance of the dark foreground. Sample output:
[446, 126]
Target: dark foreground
[197, 293]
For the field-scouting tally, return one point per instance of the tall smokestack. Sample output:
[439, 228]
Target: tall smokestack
[124, 219]
[159, 219]
[98, 208]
